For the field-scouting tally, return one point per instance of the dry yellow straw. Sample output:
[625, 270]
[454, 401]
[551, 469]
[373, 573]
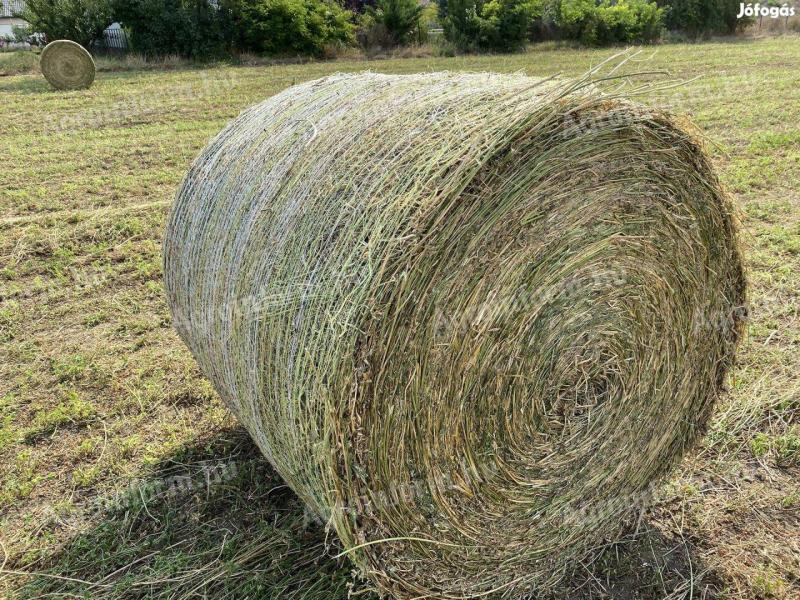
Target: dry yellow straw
[469, 318]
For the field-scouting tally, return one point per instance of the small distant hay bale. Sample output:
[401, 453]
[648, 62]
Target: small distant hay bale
[469, 318]
[67, 65]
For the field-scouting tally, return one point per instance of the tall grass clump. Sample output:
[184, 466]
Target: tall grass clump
[471, 319]
[18, 62]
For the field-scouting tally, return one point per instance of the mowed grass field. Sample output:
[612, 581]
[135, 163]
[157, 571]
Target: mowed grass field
[121, 473]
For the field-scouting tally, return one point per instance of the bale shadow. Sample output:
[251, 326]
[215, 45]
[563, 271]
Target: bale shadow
[646, 564]
[215, 520]
[212, 521]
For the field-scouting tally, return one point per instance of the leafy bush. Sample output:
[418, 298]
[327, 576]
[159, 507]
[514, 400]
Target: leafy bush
[399, 18]
[577, 20]
[23, 34]
[460, 23]
[371, 34]
[507, 23]
[200, 29]
[299, 26]
[629, 21]
[609, 22]
[700, 18]
[500, 25]
[189, 28]
[81, 21]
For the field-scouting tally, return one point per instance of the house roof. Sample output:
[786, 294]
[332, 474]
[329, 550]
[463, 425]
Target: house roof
[9, 8]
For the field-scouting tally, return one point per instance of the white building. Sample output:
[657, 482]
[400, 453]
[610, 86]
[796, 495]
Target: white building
[7, 21]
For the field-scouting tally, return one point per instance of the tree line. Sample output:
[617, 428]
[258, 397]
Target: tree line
[208, 29]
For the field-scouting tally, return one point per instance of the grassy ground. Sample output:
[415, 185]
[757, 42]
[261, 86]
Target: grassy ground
[122, 474]
[16, 63]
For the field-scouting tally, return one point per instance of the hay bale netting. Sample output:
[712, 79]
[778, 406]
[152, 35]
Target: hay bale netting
[468, 318]
[67, 65]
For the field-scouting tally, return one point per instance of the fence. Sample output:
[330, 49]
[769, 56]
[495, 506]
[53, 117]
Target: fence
[11, 8]
[114, 40]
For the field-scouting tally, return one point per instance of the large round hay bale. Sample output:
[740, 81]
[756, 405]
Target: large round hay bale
[470, 319]
[67, 65]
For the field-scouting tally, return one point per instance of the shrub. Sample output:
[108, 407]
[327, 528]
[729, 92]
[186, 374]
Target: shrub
[400, 18]
[189, 28]
[506, 23]
[460, 23]
[81, 21]
[298, 26]
[23, 34]
[629, 21]
[693, 17]
[609, 22]
[577, 20]
[700, 18]
[728, 9]
[430, 17]
[500, 25]
[372, 35]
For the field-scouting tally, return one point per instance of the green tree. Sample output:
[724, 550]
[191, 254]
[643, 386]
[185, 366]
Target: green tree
[401, 18]
[628, 21]
[81, 21]
[290, 26]
[608, 21]
[728, 11]
[190, 28]
[701, 18]
[460, 23]
[497, 25]
[577, 20]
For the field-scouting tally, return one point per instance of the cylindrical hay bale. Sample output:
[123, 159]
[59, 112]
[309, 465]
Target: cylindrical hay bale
[469, 318]
[67, 65]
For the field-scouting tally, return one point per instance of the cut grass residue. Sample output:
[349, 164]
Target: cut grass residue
[22, 482]
[73, 411]
[69, 368]
[785, 448]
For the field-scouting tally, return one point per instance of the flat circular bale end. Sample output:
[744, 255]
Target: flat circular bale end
[67, 65]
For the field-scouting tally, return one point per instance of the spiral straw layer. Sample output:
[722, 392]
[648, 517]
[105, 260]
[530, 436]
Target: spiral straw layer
[67, 65]
[469, 318]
